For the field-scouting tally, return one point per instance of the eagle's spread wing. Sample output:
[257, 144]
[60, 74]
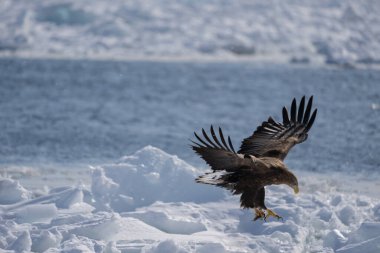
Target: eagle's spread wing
[274, 139]
[239, 173]
[217, 153]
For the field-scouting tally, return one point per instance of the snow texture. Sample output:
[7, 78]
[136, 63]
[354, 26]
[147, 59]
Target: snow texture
[331, 31]
[12, 192]
[149, 202]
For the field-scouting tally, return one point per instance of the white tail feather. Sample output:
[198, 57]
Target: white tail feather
[214, 178]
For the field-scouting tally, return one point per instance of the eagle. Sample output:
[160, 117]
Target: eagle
[259, 161]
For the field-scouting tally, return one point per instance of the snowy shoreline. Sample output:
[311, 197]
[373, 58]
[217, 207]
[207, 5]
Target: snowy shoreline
[148, 202]
[257, 60]
[331, 32]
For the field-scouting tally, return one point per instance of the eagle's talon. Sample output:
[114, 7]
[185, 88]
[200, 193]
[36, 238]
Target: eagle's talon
[275, 215]
[259, 214]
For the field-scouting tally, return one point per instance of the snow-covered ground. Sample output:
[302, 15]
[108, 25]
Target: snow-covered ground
[331, 31]
[149, 202]
[58, 116]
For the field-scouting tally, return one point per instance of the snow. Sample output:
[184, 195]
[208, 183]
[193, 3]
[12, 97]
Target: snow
[371, 245]
[149, 202]
[12, 192]
[330, 31]
[152, 176]
[33, 213]
[22, 243]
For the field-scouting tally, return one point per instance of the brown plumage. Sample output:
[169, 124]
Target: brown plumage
[259, 161]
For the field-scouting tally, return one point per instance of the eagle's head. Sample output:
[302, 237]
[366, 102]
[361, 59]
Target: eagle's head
[292, 182]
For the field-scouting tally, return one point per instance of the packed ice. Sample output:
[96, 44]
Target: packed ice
[149, 202]
[331, 31]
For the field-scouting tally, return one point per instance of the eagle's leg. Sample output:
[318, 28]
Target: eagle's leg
[258, 203]
[259, 214]
[272, 213]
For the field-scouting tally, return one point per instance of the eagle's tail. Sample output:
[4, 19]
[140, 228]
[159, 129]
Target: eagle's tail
[219, 178]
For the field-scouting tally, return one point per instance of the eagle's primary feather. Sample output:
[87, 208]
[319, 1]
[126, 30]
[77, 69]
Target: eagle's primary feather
[259, 161]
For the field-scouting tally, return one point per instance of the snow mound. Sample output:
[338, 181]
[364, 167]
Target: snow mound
[149, 202]
[147, 176]
[45, 240]
[34, 213]
[342, 32]
[163, 218]
[22, 243]
[11, 192]
[371, 245]
[165, 246]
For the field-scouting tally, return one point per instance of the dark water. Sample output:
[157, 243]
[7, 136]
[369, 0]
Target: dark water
[61, 111]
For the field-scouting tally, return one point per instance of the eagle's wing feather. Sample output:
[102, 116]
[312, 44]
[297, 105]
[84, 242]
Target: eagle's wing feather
[217, 153]
[274, 139]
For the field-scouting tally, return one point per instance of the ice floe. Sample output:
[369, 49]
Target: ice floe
[333, 31]
[149, 202]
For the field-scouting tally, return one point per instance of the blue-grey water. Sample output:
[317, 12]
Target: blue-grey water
[88, 112]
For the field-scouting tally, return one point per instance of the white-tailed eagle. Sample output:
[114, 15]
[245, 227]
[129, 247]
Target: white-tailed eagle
[259, 162]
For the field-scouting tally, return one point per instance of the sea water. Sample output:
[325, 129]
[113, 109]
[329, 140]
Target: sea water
[72, 113]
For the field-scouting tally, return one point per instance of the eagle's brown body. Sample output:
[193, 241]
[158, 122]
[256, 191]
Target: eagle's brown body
[259, 162]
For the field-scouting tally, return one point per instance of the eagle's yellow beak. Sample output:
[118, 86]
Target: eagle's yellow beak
[296, 190]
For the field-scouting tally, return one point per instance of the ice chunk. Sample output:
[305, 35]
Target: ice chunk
[287, 227]
[111, 248]
[69, 197]
[211, 247]
[165, 247]
[371, 245]
[160, 220]
[334, 239]
[22, 243]
[336, 200]
[367, 230]
[100, 227]
[347, 215]
[376, 211]
[33, 213]
[324, 214]
[101, 185]
[363, 201]
[46, 239]
[11, 191]
[62, 198]
[79, 244]
[104, 190]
